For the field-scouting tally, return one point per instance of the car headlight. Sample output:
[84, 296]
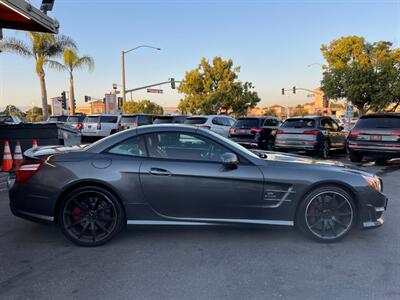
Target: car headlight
[374, 182]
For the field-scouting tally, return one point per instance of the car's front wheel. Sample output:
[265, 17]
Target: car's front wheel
[90, 216]
[355, 157]
[327, 214]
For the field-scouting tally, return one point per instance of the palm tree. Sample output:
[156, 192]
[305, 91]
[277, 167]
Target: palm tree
[43, 47]
[72, 61]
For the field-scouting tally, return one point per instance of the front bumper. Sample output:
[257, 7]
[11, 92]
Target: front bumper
[373, 213]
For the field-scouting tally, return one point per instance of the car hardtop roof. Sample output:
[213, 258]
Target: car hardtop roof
[258, 117]
[139, 114]
[171, 116]
[381, 115]
[208, 116]
[102, 115]
[307, 117]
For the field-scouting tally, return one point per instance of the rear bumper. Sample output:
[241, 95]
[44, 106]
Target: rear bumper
[297, 145]
[371, 148]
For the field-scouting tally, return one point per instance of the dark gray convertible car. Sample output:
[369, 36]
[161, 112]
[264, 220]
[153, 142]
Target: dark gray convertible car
[181, 175]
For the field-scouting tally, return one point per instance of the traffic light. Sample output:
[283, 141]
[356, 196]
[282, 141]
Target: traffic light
[120, 103]
[88, 98]
[74, 103]
[283, 91]
[294, 90]
[173, 83]
[63, 100]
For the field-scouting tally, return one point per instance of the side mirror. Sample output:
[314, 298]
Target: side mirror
[229, 160]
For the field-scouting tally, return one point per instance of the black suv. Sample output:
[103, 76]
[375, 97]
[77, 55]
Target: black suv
[170, 119]
[256, 132]
[317, 135]
[375, 135]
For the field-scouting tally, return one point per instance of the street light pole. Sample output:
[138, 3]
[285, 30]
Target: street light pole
[123, 67]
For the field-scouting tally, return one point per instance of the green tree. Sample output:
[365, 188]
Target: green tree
[43, 47]
[12, 110]
[71, 62]
[142, 106]
[366, 74]
[214, 88]
[268, 111]
[35, 114]
[299, 110]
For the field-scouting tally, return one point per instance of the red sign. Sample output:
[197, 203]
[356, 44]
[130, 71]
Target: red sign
[155, 91]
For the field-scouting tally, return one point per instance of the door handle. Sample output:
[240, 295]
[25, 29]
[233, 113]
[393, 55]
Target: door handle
[159, 172]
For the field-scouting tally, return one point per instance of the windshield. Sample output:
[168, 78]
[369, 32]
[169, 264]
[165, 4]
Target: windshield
[378, 122]
[195, 121]
[75, 119]
[247, 123]
[299, 123]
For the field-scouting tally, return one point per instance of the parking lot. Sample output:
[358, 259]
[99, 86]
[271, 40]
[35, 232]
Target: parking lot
[204, 262]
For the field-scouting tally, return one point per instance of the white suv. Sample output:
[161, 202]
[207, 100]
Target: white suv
[100, 125]
[218, 123]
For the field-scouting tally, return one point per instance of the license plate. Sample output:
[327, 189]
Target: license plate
[375, 138]
[89, 126]
[242, 131]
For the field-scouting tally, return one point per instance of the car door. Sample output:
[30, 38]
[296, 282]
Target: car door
[184, 178]
[340, 135]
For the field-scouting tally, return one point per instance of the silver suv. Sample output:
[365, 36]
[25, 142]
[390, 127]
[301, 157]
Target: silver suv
[100, 125]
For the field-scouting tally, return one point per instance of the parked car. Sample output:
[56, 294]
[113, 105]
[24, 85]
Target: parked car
[375, 135]
[170, 119]
[216, 123]
[135, 120]
[182, 175]
[61, 118]
[76, 121]
[257, 132]
[100, 125]
[317, 135]
[7, 119]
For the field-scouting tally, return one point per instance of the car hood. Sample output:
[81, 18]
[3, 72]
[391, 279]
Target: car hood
[293, 159]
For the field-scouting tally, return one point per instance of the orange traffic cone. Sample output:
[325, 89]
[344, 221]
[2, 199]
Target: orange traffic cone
[34, 144]
[18, 158]
[7, 158]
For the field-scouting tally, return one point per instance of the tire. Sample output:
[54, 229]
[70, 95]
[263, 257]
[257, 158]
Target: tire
[381, 161]
[354, 157]
[324, 151]
[91, 216]
[327, 214]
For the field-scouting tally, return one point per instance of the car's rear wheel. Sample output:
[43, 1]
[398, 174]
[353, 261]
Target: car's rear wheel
[327, 214]
[324, 151]
[90, 216]
[354, 157]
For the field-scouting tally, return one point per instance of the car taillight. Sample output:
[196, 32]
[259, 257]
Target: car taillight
[79, 126]
[255, 130]
[205, 127]
[280, 131]
[26, 171]
[232, 130]
[354, 133]
[396, 133]
[313, 132]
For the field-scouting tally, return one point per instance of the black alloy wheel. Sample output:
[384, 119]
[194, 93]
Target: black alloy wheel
[327, 214]
[91, 216]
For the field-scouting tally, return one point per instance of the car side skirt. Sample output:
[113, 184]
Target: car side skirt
[207, 221]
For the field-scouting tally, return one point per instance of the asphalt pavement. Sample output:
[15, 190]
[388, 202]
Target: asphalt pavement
[37, 262]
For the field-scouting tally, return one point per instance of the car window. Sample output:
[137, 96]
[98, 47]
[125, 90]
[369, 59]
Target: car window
[326, 124]
[183, 146]
[247, 123]
[217, 121]
[129, 119]
[91, 119]
[270, 122]
[4, 119]
[132, 147]
[231, 121]
[163, 120]
[299, 123]
[108, 119]
[196, 120]
[378, 122]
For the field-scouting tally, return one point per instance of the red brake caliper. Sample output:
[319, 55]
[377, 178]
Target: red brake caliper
[76, 212]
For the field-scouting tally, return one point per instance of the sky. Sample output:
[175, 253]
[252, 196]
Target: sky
[273, 42]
